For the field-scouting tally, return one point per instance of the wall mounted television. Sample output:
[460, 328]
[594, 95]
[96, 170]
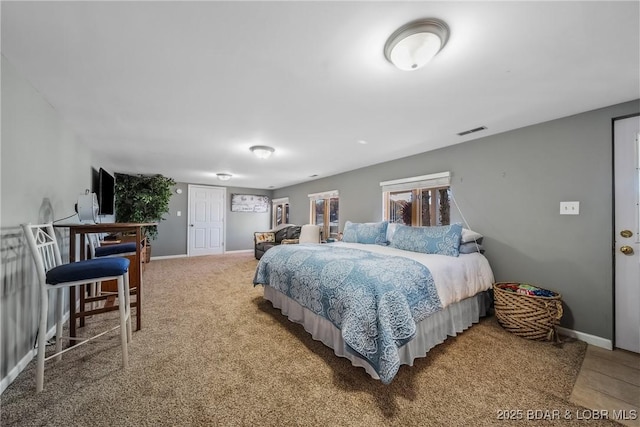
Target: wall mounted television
[106, 192]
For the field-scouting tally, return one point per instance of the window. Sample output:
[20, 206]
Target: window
[280, 211]
[324, 208]
[418, 201]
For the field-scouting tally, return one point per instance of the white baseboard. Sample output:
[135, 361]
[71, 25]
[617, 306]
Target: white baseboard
[185, 255]
[588, 338]
[13, 374]
[168, 257]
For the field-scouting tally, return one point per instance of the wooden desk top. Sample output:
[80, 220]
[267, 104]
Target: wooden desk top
[105, 226]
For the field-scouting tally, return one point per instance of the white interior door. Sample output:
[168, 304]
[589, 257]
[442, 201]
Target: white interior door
[627, 233]
[206, 220]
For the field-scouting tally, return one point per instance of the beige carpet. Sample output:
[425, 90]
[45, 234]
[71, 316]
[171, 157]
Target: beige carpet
[213, 352]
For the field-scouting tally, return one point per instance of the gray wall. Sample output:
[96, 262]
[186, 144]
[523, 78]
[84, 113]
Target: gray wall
[172, 230]
[240, 226]
[44, 169]
[509, 188]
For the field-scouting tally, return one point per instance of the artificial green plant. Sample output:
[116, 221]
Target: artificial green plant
[142, 198]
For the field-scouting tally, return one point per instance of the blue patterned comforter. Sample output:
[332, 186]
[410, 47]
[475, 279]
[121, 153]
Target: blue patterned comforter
[375, 300]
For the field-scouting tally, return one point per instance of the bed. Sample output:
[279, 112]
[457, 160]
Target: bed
[381, 299]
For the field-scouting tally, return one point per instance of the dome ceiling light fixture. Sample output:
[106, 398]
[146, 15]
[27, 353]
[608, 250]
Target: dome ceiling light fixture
[262, 151]
[413, 45]
[224, 176]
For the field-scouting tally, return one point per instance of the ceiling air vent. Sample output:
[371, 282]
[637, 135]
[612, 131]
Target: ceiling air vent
[467, 132]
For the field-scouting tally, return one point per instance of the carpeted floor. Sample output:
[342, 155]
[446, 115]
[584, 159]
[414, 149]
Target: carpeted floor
[213, 352]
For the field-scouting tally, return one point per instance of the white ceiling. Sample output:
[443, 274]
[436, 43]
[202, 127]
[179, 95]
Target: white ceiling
[185, 88]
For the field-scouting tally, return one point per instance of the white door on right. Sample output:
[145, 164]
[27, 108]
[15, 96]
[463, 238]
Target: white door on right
[626, 168]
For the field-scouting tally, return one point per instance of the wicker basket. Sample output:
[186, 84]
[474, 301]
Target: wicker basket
[528, 316]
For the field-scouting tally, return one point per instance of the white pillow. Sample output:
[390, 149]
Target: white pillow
[391, 229]
[469, 236]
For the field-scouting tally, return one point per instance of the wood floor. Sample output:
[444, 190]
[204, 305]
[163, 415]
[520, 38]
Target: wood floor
[610, 380]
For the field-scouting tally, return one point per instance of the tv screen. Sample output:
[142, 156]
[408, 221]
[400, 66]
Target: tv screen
[106, 187]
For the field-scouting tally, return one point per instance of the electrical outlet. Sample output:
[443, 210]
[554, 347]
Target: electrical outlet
[569, 208]
[179, 213]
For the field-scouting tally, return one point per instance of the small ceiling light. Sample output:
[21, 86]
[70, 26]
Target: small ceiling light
[262, 151]
[224, 176]
[413, 45]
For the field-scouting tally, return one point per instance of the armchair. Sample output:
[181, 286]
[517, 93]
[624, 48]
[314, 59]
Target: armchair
[265, 240]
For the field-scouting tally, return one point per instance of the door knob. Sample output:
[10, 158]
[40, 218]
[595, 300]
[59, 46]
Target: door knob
[190, 225]
[627, 250]
[626, 233]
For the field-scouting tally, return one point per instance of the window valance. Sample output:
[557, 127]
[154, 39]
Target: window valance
[434, 180]
[324, 195]
[280, 201]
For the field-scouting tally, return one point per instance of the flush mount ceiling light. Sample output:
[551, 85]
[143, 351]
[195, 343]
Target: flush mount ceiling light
[224, 176]
[413, 45]
[262, 151]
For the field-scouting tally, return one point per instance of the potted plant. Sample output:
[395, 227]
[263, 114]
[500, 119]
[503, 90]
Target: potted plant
[142, 198]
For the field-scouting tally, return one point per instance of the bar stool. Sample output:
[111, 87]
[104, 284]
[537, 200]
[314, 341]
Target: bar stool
[53, 274]
[98, 251]
[119, 249]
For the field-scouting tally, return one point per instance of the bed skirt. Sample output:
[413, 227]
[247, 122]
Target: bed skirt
[430, 332]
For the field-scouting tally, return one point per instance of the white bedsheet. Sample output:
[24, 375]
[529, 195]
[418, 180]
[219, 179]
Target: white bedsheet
[456, 278]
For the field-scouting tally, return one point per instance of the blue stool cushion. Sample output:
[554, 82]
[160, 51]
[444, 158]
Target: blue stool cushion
[86, 270]
[121, 248]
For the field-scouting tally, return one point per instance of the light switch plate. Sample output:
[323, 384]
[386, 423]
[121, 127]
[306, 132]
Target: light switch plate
[569, 208]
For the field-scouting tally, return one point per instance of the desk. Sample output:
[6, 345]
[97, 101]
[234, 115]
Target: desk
[82, 230]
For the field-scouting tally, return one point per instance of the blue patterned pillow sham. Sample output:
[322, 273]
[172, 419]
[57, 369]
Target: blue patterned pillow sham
[369, 233]
[442, 240]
